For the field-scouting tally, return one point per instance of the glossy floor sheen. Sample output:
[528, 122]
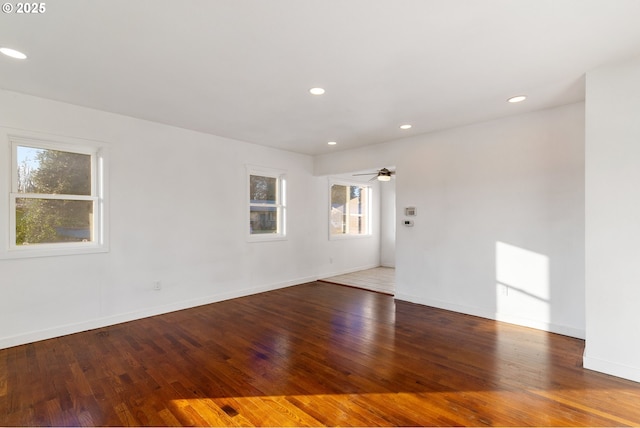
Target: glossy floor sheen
[314, 354]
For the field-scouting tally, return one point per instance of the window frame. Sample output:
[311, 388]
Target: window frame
[280, 204]
[97, 152]
[369, 209]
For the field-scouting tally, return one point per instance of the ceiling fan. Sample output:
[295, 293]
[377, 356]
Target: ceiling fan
[382, 174]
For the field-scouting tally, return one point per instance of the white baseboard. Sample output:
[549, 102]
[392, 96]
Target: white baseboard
[102, 322]
[480, 312]
[62, 330]
[611, 368]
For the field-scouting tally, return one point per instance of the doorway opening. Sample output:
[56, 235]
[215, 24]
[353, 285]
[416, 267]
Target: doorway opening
[382, 278]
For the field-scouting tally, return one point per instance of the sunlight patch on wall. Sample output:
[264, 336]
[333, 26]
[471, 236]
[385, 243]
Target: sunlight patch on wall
[522, 282]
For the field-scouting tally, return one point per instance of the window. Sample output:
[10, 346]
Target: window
[350, 210]
[267, 204]
[56, 201]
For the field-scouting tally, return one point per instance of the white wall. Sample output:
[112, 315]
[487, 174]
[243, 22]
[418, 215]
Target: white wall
[500, 225]
[177, 214]
[613, 220]
[388, 223]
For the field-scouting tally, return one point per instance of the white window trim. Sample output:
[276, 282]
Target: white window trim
[281, 203]
[98, 152]
[369, 234]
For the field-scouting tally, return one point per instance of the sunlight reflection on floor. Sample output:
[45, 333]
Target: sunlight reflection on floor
[508, 407]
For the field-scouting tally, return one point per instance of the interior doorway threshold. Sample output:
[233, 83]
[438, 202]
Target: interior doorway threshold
[380, 279]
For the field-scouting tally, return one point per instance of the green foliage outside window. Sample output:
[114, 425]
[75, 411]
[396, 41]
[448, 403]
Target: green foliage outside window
[51, 220]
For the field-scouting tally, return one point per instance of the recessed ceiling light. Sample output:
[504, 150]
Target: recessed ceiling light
[332, 143]
[13, 53]
[405, 126]
[517, 99]
[316, 91]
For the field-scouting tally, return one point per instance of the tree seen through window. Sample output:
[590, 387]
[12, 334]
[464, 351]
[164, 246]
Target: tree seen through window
[50, 207]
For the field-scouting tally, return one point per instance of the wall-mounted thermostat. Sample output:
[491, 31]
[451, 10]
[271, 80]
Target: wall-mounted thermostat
[410, 211]
[408, 223]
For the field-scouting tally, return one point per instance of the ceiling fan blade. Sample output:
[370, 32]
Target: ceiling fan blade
[367, 173]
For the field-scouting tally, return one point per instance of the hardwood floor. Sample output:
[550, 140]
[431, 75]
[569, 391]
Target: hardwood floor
[314, 354]
[380, 279]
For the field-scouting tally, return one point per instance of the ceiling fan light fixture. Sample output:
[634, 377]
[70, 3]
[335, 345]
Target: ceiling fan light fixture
[405, 126]
[381, 175]
[316, 91]
[384, 175]
[332, 143]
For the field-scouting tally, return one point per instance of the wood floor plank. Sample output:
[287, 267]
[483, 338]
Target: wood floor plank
[310, 355]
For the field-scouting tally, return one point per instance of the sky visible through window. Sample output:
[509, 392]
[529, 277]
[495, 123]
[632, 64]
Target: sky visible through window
[28, 155]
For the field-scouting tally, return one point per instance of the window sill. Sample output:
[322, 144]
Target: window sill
[266, 238]
[43, 251]
[342, 237]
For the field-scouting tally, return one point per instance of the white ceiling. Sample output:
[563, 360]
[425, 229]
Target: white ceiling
[242, 68]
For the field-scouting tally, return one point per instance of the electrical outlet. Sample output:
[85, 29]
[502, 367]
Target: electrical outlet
[157, 285]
